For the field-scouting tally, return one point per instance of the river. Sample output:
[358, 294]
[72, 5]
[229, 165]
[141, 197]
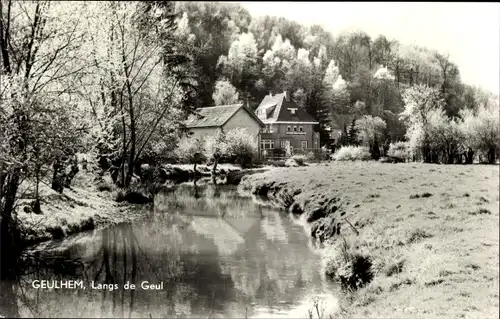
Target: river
[210, 252]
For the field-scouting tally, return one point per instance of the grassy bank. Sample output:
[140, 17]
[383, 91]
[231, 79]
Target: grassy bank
[82, 207]
[431, 231]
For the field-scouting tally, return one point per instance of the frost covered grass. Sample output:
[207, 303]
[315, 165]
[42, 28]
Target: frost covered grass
[83, 207]
[431, 232]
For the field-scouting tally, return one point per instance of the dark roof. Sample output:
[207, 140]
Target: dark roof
[216, 116]
[277, 110]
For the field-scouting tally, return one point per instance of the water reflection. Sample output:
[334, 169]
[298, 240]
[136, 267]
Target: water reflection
[217, 254]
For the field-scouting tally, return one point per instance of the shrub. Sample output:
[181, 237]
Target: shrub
[352, 268]
[299, 159]
[400, 150]
[190, 151]
[352, 153]
[241, 146]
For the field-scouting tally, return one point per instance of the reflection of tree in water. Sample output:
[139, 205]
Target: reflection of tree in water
[166, 247]
[8, 299]
[274, 276]
[152, 251]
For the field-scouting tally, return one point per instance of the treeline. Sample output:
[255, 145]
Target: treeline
[335, 77]
[111, 80]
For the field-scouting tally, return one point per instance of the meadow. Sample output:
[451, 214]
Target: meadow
[431, 231]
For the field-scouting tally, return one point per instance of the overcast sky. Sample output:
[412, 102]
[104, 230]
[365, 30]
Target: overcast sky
[469, 32]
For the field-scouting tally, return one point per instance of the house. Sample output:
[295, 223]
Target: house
[225, 117]
[288, 126]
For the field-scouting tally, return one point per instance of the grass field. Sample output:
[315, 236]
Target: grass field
[431, 230]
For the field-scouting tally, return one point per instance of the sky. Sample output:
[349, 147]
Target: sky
[468, 32]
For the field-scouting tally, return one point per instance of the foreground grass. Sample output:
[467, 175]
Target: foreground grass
[431, 230]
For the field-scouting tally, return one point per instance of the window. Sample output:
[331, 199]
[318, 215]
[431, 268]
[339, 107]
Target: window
[267, 144]
[288, 128]
[285, 144]
[303, 144]
[295, 128]
[301, 129]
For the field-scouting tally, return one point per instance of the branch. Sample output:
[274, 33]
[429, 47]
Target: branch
[157, 121]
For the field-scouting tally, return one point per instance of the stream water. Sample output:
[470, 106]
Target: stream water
[204, 252]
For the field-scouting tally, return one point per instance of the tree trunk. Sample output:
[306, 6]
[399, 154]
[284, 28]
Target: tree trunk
[58, 176]
[451, 157]
[9, 234]
[491, 155]
[130, 170]
[36, 207]
[469, 156]
[214, 170]
[74, 170]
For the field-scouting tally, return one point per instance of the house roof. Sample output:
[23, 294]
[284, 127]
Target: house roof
[277, 109]
[216, 116]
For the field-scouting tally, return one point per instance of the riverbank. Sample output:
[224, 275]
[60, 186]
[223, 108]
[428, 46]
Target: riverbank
[79, 208]
[430, 230]
[94, 203]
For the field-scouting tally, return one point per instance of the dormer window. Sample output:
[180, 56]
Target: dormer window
[292, 110]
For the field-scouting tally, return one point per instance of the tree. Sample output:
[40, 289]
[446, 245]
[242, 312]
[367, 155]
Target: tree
[336, 92]
[241, 146]
[352, 134]
[191, 151]
[145, 77]
[480, 131]
[445, 136]
[215, 147]
[369, 132]
[39, 44]
[225, 93]
[420, 101]
[240, 65]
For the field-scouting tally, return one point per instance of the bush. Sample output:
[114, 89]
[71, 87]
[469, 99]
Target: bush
[348, 266]
[352, 153]
[241, 146]
[299, 159]
[400, 150]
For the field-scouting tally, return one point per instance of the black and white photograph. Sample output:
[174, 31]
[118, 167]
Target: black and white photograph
[253, 159]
